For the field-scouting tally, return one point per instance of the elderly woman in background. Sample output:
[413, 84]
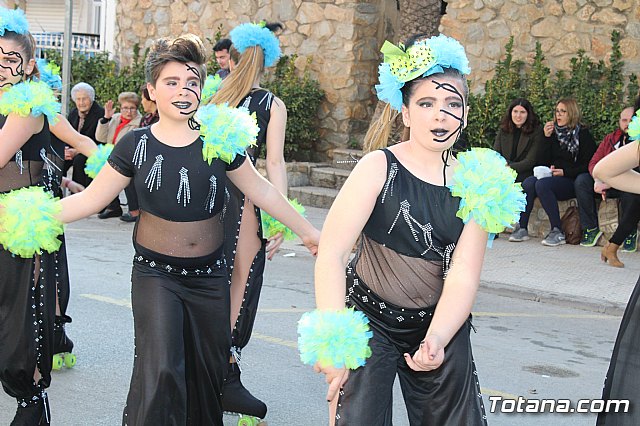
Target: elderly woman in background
[112, 127]
[83, 118]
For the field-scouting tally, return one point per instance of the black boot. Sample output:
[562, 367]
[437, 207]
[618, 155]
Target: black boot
[62, 345]
[33, 411]
[237, 399]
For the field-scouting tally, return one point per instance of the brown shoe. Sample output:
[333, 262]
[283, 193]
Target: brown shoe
[610, 254]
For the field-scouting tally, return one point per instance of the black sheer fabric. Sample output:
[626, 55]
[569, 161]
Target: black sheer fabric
[403, 280]
[623, 377]
[181, 197]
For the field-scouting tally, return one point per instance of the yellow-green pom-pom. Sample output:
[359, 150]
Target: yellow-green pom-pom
[97, 160]
[271, 226]
[27, 222]
[30, 98]
[211, 86]
[334, 338]
[487, 189]
[226, 132]
[634, 127]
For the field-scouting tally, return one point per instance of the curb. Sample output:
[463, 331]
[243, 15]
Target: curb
[560, 299]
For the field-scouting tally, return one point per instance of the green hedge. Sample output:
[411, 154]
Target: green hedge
[302, 96]
[598, 88]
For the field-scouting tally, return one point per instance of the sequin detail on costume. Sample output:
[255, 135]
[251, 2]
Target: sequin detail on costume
[211, 197]
[184, 192]
[427, 236]
[446, 258]
[246, 102]
[48, 164]
[140, 154]
[227, 197]
[269, 97]
[19, 161]
[388, 186]
[155, 174]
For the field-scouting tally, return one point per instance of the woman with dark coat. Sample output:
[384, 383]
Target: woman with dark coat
[520, 139]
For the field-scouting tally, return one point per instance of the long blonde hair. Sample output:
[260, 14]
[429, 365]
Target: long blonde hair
[239, 83]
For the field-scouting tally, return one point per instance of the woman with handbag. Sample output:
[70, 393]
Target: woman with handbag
[569, 148]
[623, 377]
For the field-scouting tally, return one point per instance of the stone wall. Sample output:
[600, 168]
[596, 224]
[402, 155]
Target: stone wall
[341, 37]
[561, 26]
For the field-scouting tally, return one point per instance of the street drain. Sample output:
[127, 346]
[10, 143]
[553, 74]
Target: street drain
[549, 370]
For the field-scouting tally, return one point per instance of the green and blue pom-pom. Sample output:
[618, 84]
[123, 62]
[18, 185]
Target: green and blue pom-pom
[211, 86]
[334, 338]
[13, 20]
[226, 132]
[634, 127]
[247, 35]
[30, 98]
[97, 160]
[27, 223]
[271, 226]
[487, 189]
[50, 74]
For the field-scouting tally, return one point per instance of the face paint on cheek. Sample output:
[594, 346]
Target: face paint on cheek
[195, 71]
[15, 69]
[451, 88]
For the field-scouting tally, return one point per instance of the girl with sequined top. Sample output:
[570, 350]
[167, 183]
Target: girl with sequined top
[29, 115]
[414, 277]
[180, 287]
[246, 248]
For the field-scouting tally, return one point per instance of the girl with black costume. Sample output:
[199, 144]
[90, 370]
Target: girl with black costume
[245, 245]
[619, 170]
[417, 265]
[180, 293]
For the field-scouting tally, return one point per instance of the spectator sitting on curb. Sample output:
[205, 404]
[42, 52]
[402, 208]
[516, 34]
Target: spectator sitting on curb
[520, 140]
[627, 232]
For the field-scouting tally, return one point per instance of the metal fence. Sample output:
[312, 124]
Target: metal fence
[88, 44]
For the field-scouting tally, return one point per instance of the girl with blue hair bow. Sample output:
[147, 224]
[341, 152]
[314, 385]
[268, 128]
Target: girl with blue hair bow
[420, 228]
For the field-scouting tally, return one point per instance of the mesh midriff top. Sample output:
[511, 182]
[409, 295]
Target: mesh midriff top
[405, 248]
[27, 167]
[181, 198]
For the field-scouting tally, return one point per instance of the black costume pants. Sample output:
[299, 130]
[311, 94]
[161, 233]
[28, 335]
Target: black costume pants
[447, 396]
[182, 340]
[629, 217]
[27, 312]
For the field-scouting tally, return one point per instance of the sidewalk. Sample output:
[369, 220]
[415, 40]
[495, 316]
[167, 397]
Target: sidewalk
[566, 275]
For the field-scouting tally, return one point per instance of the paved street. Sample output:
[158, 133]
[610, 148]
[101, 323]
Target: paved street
[556, 349]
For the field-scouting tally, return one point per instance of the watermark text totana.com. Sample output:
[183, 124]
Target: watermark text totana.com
[500, 404]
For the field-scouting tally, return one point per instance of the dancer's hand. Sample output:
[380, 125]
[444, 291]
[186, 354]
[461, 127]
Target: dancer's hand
[311, 241]
[429, 356]
[335, 377]
[274, 244]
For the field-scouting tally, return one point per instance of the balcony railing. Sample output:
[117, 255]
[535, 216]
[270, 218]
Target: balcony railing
[88, 44]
